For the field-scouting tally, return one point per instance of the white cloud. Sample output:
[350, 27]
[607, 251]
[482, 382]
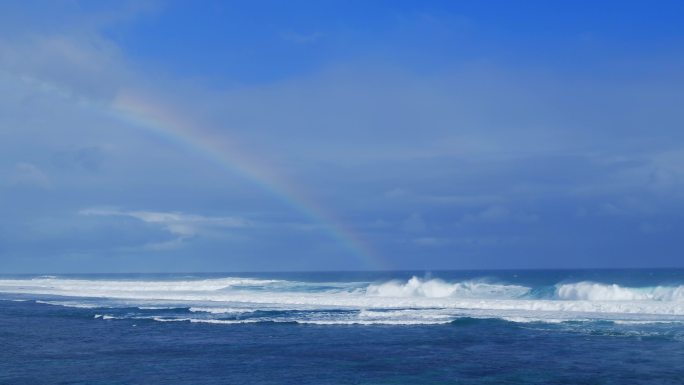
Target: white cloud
[182, 226]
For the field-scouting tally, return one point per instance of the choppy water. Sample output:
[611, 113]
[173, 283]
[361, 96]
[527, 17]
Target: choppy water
[585, 326]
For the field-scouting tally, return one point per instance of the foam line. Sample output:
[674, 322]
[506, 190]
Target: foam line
[413, 301]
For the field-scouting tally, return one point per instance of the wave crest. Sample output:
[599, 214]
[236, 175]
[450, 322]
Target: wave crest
[592, 291]
[436, 288]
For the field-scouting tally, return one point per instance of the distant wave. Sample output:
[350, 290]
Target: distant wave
[107, 286]
[413, 301]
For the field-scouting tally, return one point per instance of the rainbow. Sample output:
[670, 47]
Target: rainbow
[142, 113]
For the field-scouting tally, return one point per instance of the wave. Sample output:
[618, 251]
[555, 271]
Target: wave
[437, 288]
[108, 286]
[648, 322]
[592, 291]
[412, 301]
[220, 310]
[69, 304]
[304, 321]
[459, 321]
[106, 317]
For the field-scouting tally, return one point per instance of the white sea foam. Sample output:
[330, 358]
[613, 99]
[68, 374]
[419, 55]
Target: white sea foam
[105, 317]
[70, 304]
[591, 291]
[104, 287]
[438, 314]
[526, 320]
[208, 321]
[221, 310]
[372, 322]
[436, 288]
[414, 301]
[646, 322]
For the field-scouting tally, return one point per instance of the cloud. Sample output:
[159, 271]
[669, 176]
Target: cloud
[182, 226]
[81, 67]
[27, 174]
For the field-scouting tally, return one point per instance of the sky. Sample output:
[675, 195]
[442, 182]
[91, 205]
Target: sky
[224, 136]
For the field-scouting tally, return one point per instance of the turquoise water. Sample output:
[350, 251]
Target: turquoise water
[479, 327]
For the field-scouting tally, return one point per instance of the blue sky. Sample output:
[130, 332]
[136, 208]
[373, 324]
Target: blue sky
[294, 135]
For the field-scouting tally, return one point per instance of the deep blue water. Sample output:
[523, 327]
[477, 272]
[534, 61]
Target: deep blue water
[524, 327]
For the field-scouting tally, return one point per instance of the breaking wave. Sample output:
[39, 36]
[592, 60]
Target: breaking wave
[436, 288]
[233, 300]
[592, 291]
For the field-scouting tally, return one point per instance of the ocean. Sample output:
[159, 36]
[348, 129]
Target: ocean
[441, 327]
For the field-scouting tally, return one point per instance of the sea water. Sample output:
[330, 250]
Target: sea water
[460, 327]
